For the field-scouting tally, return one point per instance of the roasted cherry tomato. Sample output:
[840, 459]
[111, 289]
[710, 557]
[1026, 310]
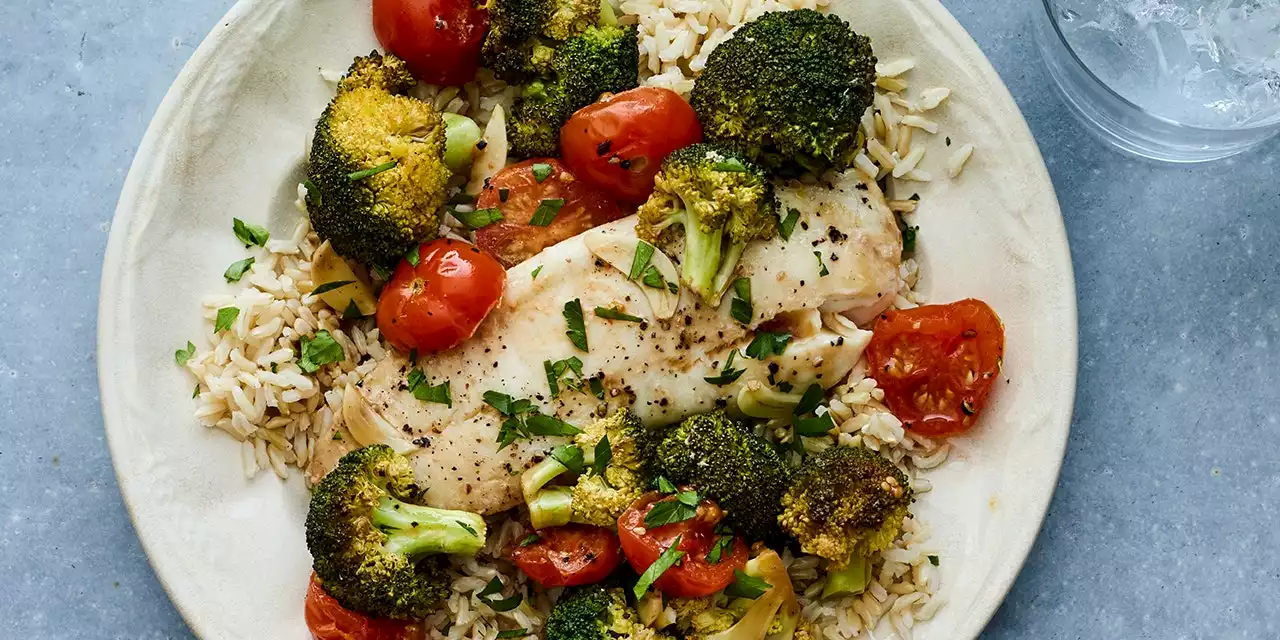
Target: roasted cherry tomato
[439, 39]
[567, 556]
[937, 363]
[328, 620]
[518, 192]
[696, 575]
[618, 144]
[439, 302]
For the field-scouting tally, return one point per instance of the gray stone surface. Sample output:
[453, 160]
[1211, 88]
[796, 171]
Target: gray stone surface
[1165, 521]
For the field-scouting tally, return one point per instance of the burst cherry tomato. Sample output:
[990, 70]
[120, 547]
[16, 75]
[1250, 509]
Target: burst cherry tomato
[328, 620]
[937, 364]
[618, 143]
[441, 301]
[696, 575]
[567, 556]
[514, 240]
[439, 39]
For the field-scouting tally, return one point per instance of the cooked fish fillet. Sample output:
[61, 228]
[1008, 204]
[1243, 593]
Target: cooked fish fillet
[658, 368]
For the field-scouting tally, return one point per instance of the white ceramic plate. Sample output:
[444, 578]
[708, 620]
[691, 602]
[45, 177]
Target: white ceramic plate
[227, 141]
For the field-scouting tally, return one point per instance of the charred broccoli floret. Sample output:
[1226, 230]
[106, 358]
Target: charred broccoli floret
[845, 504]
[597, 613]
[377, 177]
[741, 471]
[599, 60]
[373, 548]
[593, 498]
[524, 33]
[788, 89]
[722, 201]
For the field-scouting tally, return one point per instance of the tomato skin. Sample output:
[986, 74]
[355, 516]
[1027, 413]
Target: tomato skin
[328, 620]
[439, 39]
[954, 352]
[513, 240]
[440, 302]
[570, 555]
[618, 144]
[694, 577]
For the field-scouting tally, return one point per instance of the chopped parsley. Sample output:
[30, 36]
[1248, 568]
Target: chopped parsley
[570, 456]
[437, 393]
[673, 511]
[822, 266]
[596, 384]
[237, 270]
[670, 556]
[810, 400]
[225, 317]
[250, 234]
[766, 344]
[546, 212]
[318, 351]
[534, 275]
[909, 239]
[462, 198]
[602, 455]
[524, 420]
[728, 375]
[730, 165]
[933, 560]
[644, 253]
[541, 171]
[746, 586]
[352, 312]
[740, 307]
[529, 539]
[814, 427]
[181, 356]
[369, 173]
[722, 543]
[567, 372]
[664, 485]
[577, 331]
[514, 633]
[468, 528]
[412, 257]
[609, 313]
[195, 393]
[788, 224]
[497, 604]
[478, 218]
[331, 286]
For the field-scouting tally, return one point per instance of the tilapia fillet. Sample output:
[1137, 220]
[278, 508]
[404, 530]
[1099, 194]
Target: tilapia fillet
[657, 368]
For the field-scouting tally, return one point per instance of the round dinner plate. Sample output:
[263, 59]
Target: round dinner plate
[228, 142]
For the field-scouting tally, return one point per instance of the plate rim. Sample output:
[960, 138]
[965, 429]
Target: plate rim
[157, 134]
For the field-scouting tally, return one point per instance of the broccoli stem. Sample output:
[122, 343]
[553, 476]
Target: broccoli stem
[728, 266]
[537, 477]
[415, 531]
[758, 401]
[607, 16]
[849, 581]
[551, 507]
[702, 259]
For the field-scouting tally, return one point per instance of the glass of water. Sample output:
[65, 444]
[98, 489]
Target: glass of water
[1173, 80]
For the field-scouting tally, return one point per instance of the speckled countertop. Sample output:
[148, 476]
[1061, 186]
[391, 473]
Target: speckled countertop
[1165, 522]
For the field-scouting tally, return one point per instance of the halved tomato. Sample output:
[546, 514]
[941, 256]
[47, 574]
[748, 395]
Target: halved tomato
[567, 556]
[328, 620]
[520, 190]
[700, 572]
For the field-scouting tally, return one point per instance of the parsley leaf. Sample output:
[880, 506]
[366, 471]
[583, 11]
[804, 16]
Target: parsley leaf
[369, 173]
[506, 405]
[616, 314]
[814, 427]
[730, 165]
[670, 512]
[822, 266]
[534, 275]
[909, 239]
[728, 374]
[225, 317]
[352, 312]
[788, 224]
[810, 400]
[497, 604]
[529, 539]
[546, 212]
[318, 351]
[570, 456]
[541, 171]
[577, 326]
[668, 559]
[644, 253]
[412, 257]
[740, 307]
[541, 424]
[249, 234]
[237, 270]
[330, 286]
[664, 485]
[596, 384]
[181, 356]
[766, 344]
[557, 373]
[746, 586]
[722, 543]
[933, 560]
[461, 198]
[468, 527]
[437, 393]
[514, 633]
[477, 219]
[601, 457]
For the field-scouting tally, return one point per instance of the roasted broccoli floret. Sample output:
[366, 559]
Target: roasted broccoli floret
[374, 549]
[845, 504]
[788, 89]
[598, 60]
[774, 615]
[741, 471]
[722, 201]
[377, 177]
[523, 34]
[592, 498]
[597, 613]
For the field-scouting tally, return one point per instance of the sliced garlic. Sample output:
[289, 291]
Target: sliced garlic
[493, 156]
[619, 251]
[327, 267]
[369, 428]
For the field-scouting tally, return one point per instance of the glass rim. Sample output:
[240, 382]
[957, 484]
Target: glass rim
[1057, 30]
